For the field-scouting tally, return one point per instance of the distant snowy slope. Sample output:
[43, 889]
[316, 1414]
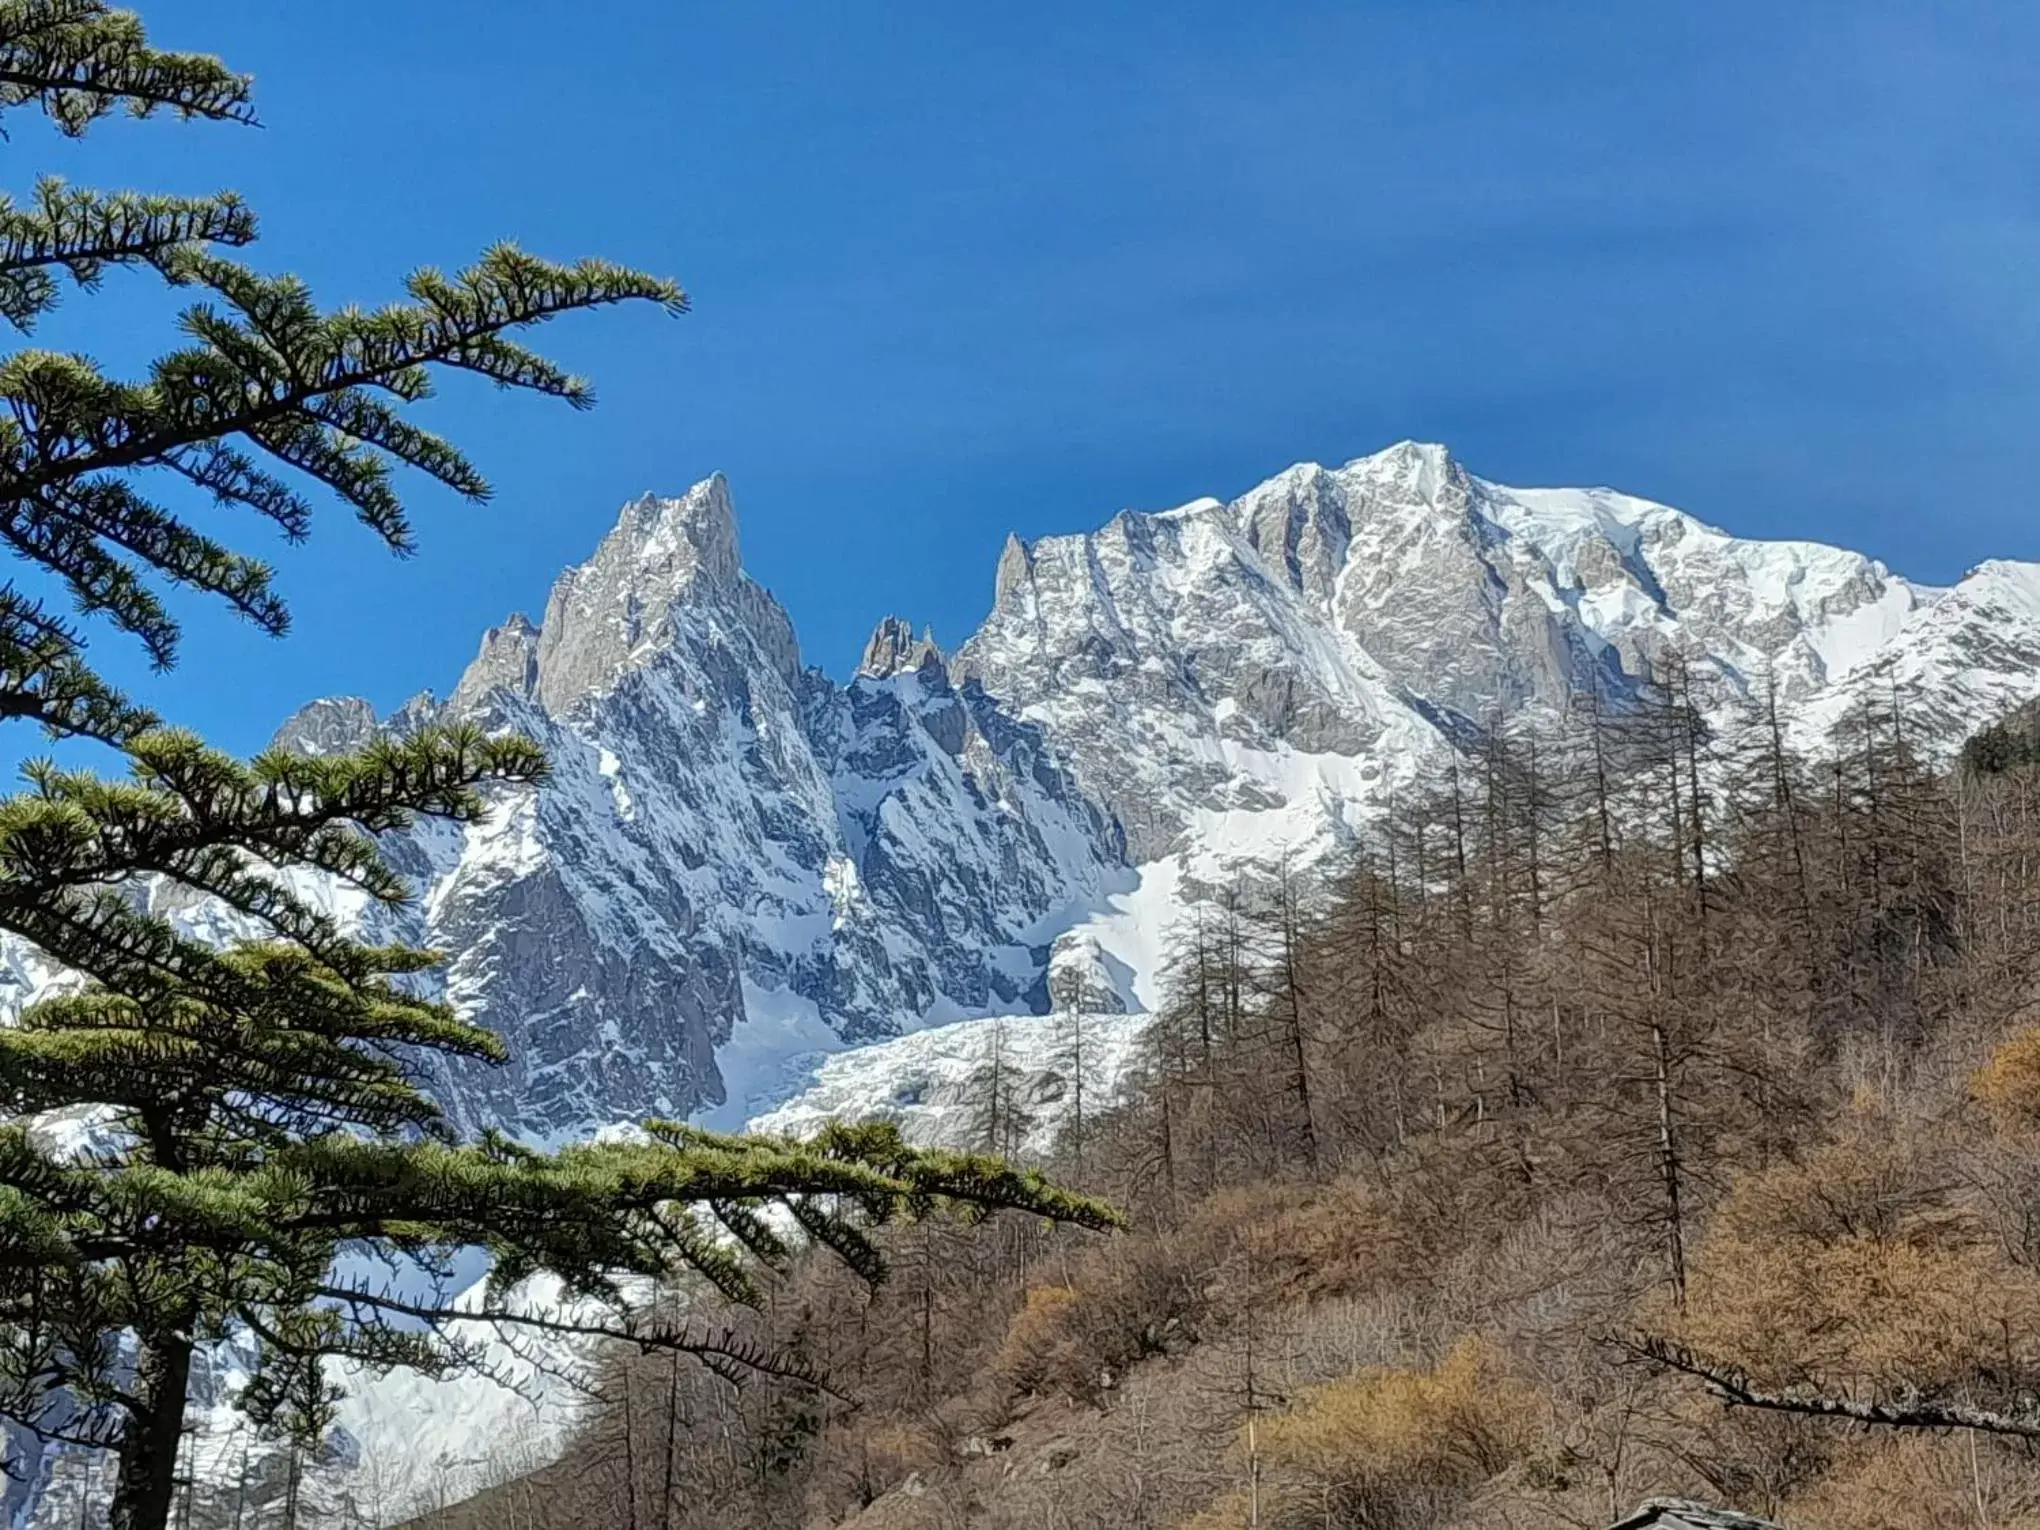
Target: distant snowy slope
[937, 1084]
[1319, 639]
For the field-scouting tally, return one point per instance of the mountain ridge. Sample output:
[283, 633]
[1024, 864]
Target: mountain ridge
[743, 868]
[1162, 691]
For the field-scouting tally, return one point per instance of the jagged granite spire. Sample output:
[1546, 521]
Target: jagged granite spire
[508, 659]
[694, 536]
[666, 562]
[894, 648]
[1016, 566]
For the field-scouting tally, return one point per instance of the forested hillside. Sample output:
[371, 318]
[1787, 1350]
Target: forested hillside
[1634, 1052]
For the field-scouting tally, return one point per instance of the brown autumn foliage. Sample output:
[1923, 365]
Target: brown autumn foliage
[1044, 1347]
[2009, 1081]
[1624, 1026]
[1384, 1447]
[1861, 1269]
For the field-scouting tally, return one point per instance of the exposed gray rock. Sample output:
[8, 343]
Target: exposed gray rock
[727, 837]
[332, 726]
[893, 648]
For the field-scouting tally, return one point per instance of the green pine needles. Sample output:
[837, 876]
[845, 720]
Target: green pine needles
[263, 1107]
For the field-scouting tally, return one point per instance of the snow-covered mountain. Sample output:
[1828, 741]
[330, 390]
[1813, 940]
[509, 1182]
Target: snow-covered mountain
[742, 866]
[736, 858]
[1307, 646]
[741, 862]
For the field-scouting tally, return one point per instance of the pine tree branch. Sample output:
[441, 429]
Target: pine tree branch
[85, 231]
[80, 59]
[269, 370]
[100, 936]
[113, 512]
[44, 679]
[207, 812]
[196, 818]
[1733, 1386]
[193, 399]
[632, 1327]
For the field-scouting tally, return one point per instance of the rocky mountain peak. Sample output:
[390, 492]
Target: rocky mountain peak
[893, 648]
[1016, 567]
[692, 536]
[331, 725]
[667, 565]
[1423, 470]
[662, 550]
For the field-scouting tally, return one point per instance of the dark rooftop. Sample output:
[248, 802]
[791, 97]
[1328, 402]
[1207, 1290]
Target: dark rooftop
[1684, 1514]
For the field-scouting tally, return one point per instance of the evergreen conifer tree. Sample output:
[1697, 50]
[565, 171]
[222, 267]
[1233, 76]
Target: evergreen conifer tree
[259, 1108]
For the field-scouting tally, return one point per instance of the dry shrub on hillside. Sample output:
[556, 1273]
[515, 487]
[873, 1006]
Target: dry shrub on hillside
[2009, 1081]
[1461, 1421]
[1860, 1269]
[890, 1450]
[1042, 1350]
[1139, 1296]
[1233, 1511]
[1385, 1448]
[1309, 1243]
[1923, 1482]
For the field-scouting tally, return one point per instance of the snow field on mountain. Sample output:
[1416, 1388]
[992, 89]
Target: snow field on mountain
[932, 1083]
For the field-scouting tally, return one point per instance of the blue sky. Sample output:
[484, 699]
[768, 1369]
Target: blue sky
[960, 270]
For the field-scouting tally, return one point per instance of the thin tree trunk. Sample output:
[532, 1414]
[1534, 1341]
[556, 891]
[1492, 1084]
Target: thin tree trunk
[1077, 1088]
[1668, 1163]
[1169, 1150]
[927, 1328]
[1459, 857]
[1293, 1001]
[629, 1450]
[672, 1429]
[1603, 823]
[1689, 720]
[241, 1486]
